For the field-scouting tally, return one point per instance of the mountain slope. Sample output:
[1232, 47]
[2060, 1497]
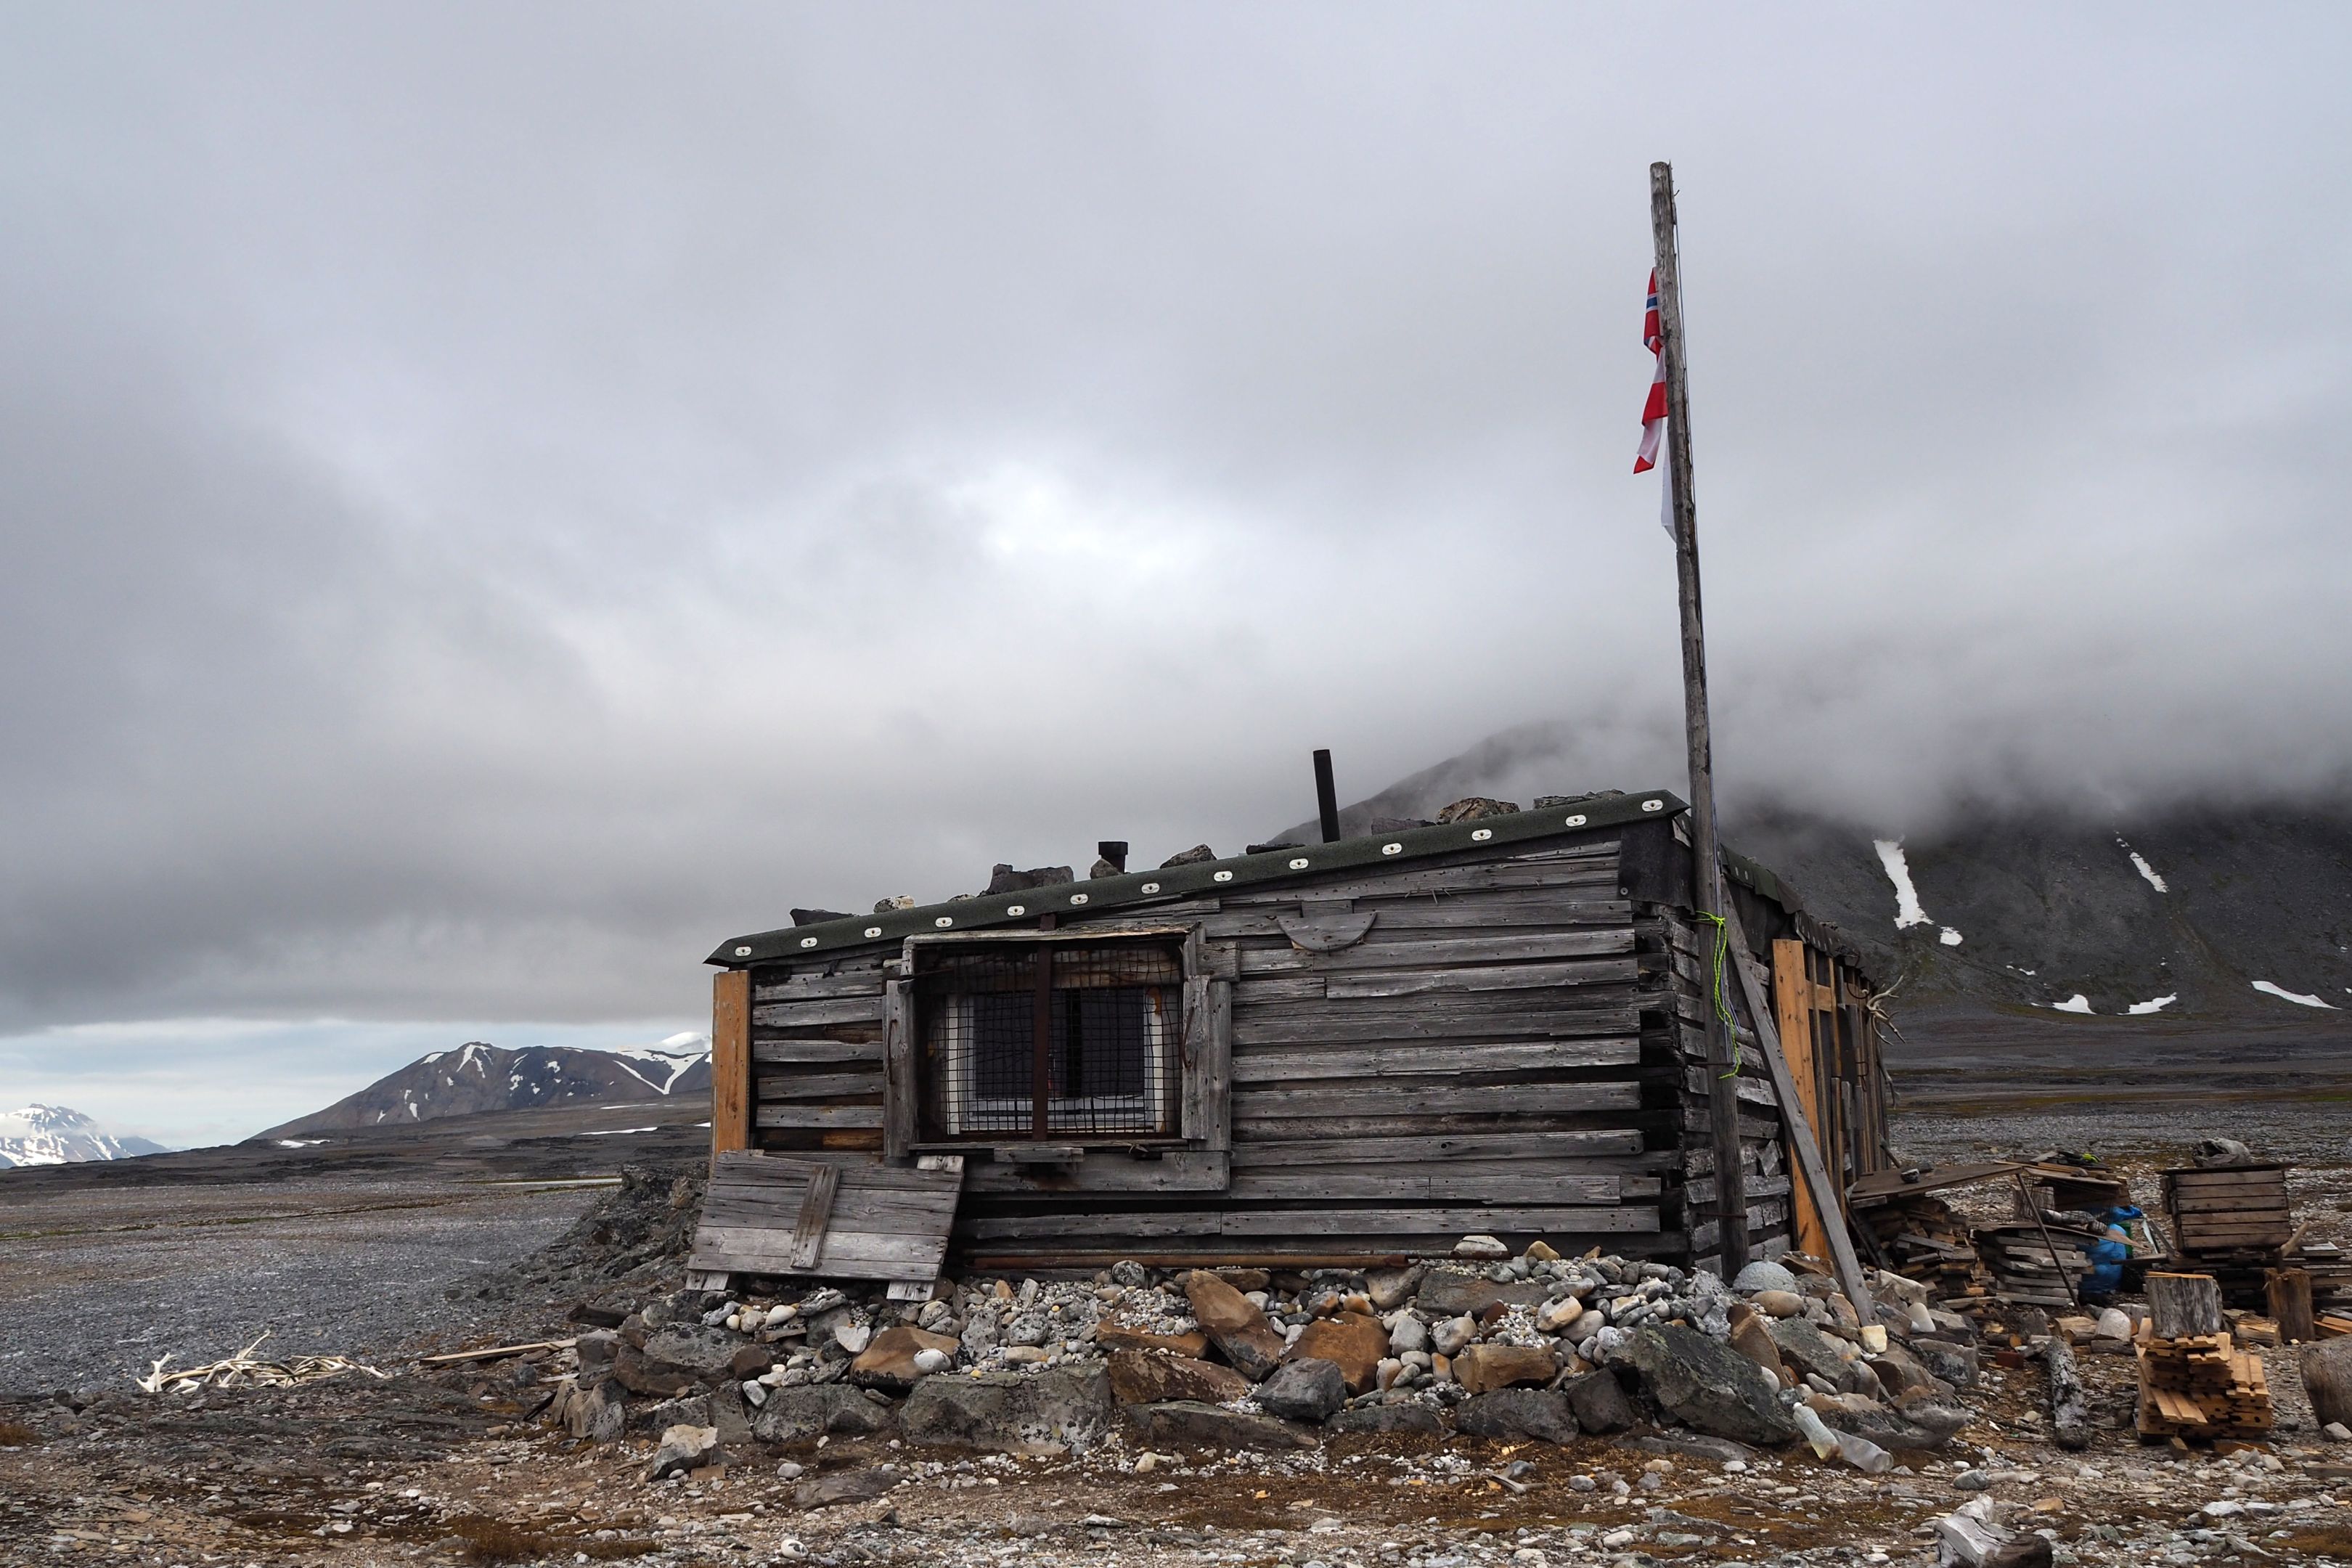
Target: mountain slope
[53, 1135]
[2231, 911]
[477, 1077]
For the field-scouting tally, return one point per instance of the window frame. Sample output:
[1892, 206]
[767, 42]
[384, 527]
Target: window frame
[1202, 1040]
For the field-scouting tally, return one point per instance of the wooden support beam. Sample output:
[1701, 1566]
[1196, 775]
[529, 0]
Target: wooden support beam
[1825, 1194]
[2290, 1303]
[731, 1061]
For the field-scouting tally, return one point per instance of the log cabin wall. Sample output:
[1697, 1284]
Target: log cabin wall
[1478, 1060]
[1506, 1040]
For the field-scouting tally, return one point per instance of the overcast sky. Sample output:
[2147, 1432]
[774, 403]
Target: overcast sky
[494, 499]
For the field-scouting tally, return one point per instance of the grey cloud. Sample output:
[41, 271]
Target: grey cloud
[491, 501]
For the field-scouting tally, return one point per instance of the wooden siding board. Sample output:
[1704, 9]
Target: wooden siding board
[1436, 1099]
[1613, 1143]
[1260, 1224]
[815, 1053]
[1422, 1059]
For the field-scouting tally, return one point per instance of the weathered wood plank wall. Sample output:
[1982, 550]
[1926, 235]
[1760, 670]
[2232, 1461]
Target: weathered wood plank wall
[1514, 1044]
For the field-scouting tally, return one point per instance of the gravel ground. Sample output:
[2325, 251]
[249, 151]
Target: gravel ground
[97, 1284]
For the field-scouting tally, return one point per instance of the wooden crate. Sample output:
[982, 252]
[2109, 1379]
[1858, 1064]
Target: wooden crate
[2232, 1210]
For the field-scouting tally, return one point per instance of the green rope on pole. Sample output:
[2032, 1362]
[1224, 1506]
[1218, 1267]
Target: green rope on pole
[1720, 998]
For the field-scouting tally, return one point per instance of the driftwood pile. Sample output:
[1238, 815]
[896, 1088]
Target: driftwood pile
[243, 1370]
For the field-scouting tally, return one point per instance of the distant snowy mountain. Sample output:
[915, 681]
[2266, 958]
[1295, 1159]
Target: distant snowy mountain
[53, 1135]
[2221, 911]
[477, 1077]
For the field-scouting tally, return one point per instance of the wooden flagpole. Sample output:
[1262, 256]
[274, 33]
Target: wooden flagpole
[1730, 1210]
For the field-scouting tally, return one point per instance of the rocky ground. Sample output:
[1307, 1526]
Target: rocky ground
[460, 1464]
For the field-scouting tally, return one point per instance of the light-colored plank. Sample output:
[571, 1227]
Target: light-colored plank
[731, 1061]
[1424, 1059]
[813, 1053]
[1500, 977]
[1438, 1100]
[1609, 1144]
[814, 1015]
[867, 1116]
[1385, 950]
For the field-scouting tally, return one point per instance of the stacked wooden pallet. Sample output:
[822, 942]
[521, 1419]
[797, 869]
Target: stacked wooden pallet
[2233, 1222]
[2201, 1386]
[1919, 1236]
[2039, 1265]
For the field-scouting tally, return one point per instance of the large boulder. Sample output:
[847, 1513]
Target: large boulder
[1518, 1413]
[1393, 1287]
[596, 1351]
[1599, 1403]
[651, 1379]
[1708, 1386]
[1121, 1337]
[1141, 1377]
[1404, 1415]
[600, 1414]
[1238, 1330]
[1351, 1341]
[1954, 1363]
[1194, 1425]
[1912, 1422]
[1899, 1371]
[1805, 1347]
[684, 1447]
[712, 1354]
[1751, 1336]
[1304, 1390]
[1467, 1295]
[1483, 1368]
[804, 1414]
[888, 1359]
[1763, 1274]
[845, 1485]
[1010, 1412]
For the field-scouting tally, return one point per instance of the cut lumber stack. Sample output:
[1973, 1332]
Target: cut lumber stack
[1919, 1236]
[2194, 1381]
[2027, 1268]
[2201, 1386]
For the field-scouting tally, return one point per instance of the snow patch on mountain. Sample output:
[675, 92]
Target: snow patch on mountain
[1908, 909]
[54, 1135]
[479, 1077]
[2147, 871]
[2269, 988]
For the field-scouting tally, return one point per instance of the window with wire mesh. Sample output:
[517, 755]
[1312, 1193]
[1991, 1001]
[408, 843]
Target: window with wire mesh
[1094, 1052]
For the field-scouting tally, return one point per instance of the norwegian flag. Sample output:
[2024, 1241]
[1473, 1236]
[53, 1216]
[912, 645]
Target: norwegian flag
[1653, 412]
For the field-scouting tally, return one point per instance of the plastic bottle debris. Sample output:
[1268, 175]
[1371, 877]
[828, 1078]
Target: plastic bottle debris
[1824, 1441]
[1863, 1454]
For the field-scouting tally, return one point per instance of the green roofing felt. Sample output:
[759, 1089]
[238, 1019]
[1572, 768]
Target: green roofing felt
[1141, 889]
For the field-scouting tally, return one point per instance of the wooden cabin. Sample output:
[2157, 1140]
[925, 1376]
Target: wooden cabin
[1331, 1053]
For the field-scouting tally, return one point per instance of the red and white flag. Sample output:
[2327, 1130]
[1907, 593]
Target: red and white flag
[1653, 412]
